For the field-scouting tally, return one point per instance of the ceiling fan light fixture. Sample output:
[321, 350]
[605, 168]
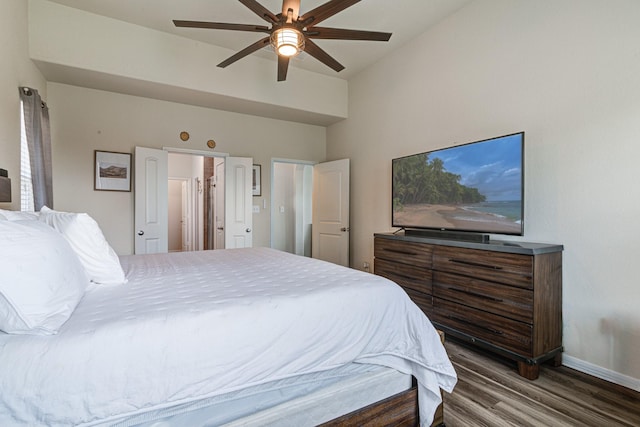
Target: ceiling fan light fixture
[287, 41]
[290, 32]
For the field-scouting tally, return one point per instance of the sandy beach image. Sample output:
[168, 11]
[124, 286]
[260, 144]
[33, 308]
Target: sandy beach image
[453, 216]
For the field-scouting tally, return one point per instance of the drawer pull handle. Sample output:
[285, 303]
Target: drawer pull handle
[475, 264]
[400, 251]
[402, 276]
[475, 294]
[475, 325]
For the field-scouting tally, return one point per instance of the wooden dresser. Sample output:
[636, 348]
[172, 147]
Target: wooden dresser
[502, 296]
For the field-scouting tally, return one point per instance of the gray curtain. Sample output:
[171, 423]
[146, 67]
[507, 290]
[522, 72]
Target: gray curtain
[36, 122]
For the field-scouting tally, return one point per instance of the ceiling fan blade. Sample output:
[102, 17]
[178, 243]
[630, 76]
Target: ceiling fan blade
[244, 52]
[294, 5]
[283, 66]
[221, 26]
[325, 11]
[342, 34]
[260, 10]
[314, 50]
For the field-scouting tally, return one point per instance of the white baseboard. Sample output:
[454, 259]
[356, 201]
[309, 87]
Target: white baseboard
[602, 373]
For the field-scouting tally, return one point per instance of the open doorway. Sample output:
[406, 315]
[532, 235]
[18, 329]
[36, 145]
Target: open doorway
[193, 207]
[291, 206]
[151, 200]
[310, 209]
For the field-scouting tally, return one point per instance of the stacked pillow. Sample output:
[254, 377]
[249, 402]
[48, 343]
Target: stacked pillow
[85, 237]
[47, 260]
[42, 278]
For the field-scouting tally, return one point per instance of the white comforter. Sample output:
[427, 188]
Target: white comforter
[191, 325]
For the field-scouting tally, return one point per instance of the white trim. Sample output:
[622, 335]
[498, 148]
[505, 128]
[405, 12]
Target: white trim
[600, 372]
[195, 152]
[300, 162]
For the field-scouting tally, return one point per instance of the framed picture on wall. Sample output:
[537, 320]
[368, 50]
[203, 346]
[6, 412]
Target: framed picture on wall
[257, 178]
[112, 171]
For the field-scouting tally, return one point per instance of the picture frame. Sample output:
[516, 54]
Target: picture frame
[257, 180]
[112, 171]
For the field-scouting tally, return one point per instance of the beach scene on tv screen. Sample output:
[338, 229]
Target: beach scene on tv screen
[473, 187]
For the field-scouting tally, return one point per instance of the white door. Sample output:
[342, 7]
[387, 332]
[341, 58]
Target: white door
[186, 217]
[219, 203]
[151, 206]
[238, 216]
[330, 231]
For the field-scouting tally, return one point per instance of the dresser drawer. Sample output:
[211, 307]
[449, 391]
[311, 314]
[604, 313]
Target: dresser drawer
[511, 269]
[407, 276]
[422, 300]
[508, 301]
[417, 254]
[509, 334]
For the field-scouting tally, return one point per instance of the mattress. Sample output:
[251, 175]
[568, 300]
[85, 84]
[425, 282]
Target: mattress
[307, 400]
[191, 326]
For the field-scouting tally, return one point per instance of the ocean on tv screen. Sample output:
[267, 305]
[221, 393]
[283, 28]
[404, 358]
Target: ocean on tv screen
[474, 187]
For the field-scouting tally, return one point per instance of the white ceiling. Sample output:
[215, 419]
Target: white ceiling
[406, 19]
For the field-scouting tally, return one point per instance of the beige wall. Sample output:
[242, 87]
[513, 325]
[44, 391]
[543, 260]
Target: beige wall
[80, 48]
[566, 72]
[16, 69]
[563, 71]
[84, 120]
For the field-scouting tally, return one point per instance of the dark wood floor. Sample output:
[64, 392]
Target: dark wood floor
[491, 393]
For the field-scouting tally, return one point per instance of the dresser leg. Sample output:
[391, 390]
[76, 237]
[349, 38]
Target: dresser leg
[556, 360]
[530, 372]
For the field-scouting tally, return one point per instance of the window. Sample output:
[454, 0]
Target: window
[26, 185]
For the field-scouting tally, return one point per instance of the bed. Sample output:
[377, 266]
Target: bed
[228, 337]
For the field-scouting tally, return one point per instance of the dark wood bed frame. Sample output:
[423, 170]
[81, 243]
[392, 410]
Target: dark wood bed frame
[398, 410]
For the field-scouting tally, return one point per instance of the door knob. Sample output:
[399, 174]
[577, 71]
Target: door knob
[140, 233]
[344, 229]
[220, 228]
[248, 230]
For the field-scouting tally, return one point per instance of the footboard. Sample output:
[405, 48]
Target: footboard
[399, 410]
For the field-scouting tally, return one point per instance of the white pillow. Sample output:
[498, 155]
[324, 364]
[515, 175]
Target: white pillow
[2, 217]
[19, 215]
[42, 279]
[85, 237]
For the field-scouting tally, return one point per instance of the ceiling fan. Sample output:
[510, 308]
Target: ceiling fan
[291, 33]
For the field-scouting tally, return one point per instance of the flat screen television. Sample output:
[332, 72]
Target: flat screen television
[474, 188]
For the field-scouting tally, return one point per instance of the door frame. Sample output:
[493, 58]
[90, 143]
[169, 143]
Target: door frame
[272, 187]
[225, 156]
[195, 152]
[196, 239]
[218, 220]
